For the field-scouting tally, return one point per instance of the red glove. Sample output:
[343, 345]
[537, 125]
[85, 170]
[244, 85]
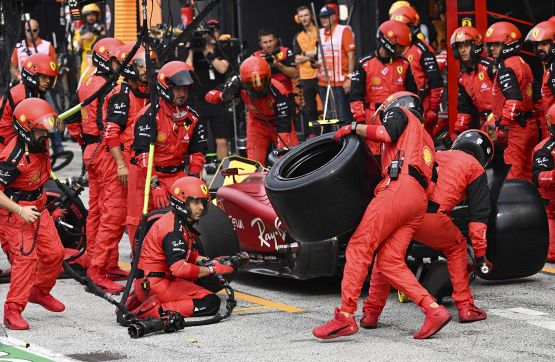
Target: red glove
[142, 160]
[220, 269]
[503, 136]
[213, 97]
[286, 137]
[462, 123]
[431, 118]
[342, 132]
[160, 197]
[357, 109]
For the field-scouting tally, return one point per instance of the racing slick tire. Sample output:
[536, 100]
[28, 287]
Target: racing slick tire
[321, 188]
[217, 236]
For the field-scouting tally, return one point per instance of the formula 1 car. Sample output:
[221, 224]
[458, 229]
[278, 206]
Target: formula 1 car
[296, 219]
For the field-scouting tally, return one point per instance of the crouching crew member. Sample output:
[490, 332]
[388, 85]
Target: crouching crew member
[543, 176]
[180, 139]
[168, 270]
[461, 175]
[392, 216]
[268, 111]
[29, 237]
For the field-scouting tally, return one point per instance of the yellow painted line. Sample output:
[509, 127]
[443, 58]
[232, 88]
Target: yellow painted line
[267, 304]
[251, 308]
[548, 269]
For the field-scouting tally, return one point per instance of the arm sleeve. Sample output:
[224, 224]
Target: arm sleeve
[508, 82]
[465, 110]
[52, 53]
[289, 60]
[551, 81]
[348, 41]
[116, 118]
[197, 149]
[8, 173]
[395, 121]
[435, 82]
[479, 211]
[175, 251]
[141, 141]
[283, 112]
[542, 169]
[410, 83]
[358, 91]
[15, 58]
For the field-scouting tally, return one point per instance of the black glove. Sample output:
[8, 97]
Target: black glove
[231, 88]
[482, 265]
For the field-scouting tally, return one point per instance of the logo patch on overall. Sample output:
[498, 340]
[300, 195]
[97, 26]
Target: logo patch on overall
[161, 137]
[427, 154]
[400, 69]
[34, 177]
[410, 57]
[481, 75]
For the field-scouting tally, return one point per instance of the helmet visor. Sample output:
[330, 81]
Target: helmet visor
[48, 123]
[256, 83]
[183, 78]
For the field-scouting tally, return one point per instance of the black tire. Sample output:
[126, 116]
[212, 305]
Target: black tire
[218, 238]
[518, 238]
[321, 188]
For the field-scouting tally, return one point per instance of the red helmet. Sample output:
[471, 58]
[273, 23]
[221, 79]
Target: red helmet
[404, 99]
[185, 189]
[175, 74]
[409, 16]
[38, 64]
[507, 34]
[541, 32]
[130, 71]
[470, 34]
[477, 143]
[255, 75]
[552, 19]
[392, 33]
[33, 113]
[396, 5]
[102, 53]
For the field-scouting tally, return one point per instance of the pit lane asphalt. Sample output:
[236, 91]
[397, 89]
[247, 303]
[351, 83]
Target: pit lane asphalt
[274, 319]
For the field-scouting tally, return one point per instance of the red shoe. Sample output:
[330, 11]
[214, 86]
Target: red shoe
[436, 318]
[339, 326]
[106, 284]
[50, 303]
[12, 317]
[369, 319]
[117, 274]
[468, 312]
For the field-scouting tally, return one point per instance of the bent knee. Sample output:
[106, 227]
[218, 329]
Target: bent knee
[208, 305]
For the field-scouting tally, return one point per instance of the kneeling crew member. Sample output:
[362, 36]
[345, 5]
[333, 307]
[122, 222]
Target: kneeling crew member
[29, 236]
[168, 267]
[461, 175]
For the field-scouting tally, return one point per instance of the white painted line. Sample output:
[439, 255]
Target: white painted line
[35, 349]
[530, 316]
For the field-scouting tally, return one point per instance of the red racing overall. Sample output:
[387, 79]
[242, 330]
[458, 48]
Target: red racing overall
[126, 103]
[34, 249]
[179, 136]
[168, 264]
[428, 79]
[474, 98]
[393, 215]
[543, 176]
[460, 176]
[512, 105]
[372, 82]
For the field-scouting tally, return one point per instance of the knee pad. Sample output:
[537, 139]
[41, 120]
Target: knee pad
[208, 305]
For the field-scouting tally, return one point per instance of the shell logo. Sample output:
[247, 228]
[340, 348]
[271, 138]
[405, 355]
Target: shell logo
[535, 33]
[102, 49]
[35, 176]
[161, 137]
[390, 33]
[53, 66]
[513, 34]
[29, 64]
[460, 35]
[176, 191]
[162, 76]
[376, 81]
[481, 75]
[488, 33]
[204, 189]
[427, 154]
[22, 118]
[123, 56]
[400, 70]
